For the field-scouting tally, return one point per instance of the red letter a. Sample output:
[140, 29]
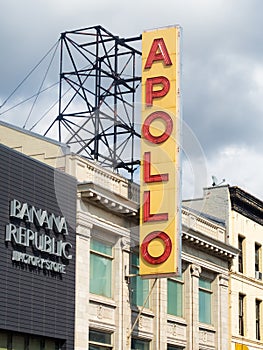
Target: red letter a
[158, 52]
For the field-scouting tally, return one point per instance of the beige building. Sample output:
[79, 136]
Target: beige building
[120, 310]
[115, 308]
[243, 216]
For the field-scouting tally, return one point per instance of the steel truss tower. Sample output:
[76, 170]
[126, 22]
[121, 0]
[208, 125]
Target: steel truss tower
[97, 96]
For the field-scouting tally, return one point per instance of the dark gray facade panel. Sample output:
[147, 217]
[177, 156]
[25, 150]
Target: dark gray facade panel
[34, 300]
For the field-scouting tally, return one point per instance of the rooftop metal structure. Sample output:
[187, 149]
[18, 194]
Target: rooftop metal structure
[97, 96]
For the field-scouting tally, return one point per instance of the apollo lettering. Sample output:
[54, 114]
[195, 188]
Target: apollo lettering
[158, 53]
[159, 228]
[151, 94]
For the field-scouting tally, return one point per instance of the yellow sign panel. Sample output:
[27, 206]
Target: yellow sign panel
[241, 347]
[160, 212]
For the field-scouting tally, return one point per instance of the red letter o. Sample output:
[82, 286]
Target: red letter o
[167, 251]
[168, 130]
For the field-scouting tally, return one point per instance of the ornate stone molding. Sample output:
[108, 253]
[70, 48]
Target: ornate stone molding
[217, 248]
[108, 200]
[100, 312]
[223, 280]
[125, 244]
[195, 270]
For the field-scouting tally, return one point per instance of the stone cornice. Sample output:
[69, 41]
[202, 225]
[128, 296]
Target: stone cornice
[108, 200]
[211, 246]
[246, 204]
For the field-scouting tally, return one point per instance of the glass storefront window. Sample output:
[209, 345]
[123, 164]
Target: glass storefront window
[18, 342]
[50, 345]
[12, 341]
[34, 344]
[3, 341]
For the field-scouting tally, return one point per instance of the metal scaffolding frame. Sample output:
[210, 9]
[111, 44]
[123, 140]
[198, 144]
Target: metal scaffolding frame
[97, 96]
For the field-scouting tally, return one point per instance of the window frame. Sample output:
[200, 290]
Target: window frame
[179, 282]
[109, 257]
[174, 347]
[205, 292]
[146, 341]
[241, 314]
[257, 257]
[135, 280]
[101, 345]
[241, 241]
[258, 304]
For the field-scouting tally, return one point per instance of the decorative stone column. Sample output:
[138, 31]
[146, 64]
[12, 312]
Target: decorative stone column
[159, 308]
[123, 311]
[163, 313]
[83, 233]
[193, 307]
[223, 309]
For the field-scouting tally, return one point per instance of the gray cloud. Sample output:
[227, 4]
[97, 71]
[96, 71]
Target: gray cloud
[222, 58]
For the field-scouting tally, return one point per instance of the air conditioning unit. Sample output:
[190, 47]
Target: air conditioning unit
[258, 275]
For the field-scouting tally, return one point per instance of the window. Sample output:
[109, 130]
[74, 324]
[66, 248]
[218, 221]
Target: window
[139, 286]
[173, 347]
[241, 314]
[101, 268]
[205, 300]
[9, 340]
[258, 307]
[137, 344]
[257, 260]
[35, 344]
[175, 297]
[240, 256]
[3, 341]
[99, 340]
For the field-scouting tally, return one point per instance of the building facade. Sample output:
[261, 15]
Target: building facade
[114, 307]
[124, 311]
[243, 215]
[37, 254]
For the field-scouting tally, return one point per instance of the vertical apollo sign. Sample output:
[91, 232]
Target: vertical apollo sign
[160, 212]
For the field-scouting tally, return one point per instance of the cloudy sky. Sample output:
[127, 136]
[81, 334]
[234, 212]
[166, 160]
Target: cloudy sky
[222, 73]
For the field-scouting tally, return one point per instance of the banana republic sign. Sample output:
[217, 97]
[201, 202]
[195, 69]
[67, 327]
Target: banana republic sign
[43, 234]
